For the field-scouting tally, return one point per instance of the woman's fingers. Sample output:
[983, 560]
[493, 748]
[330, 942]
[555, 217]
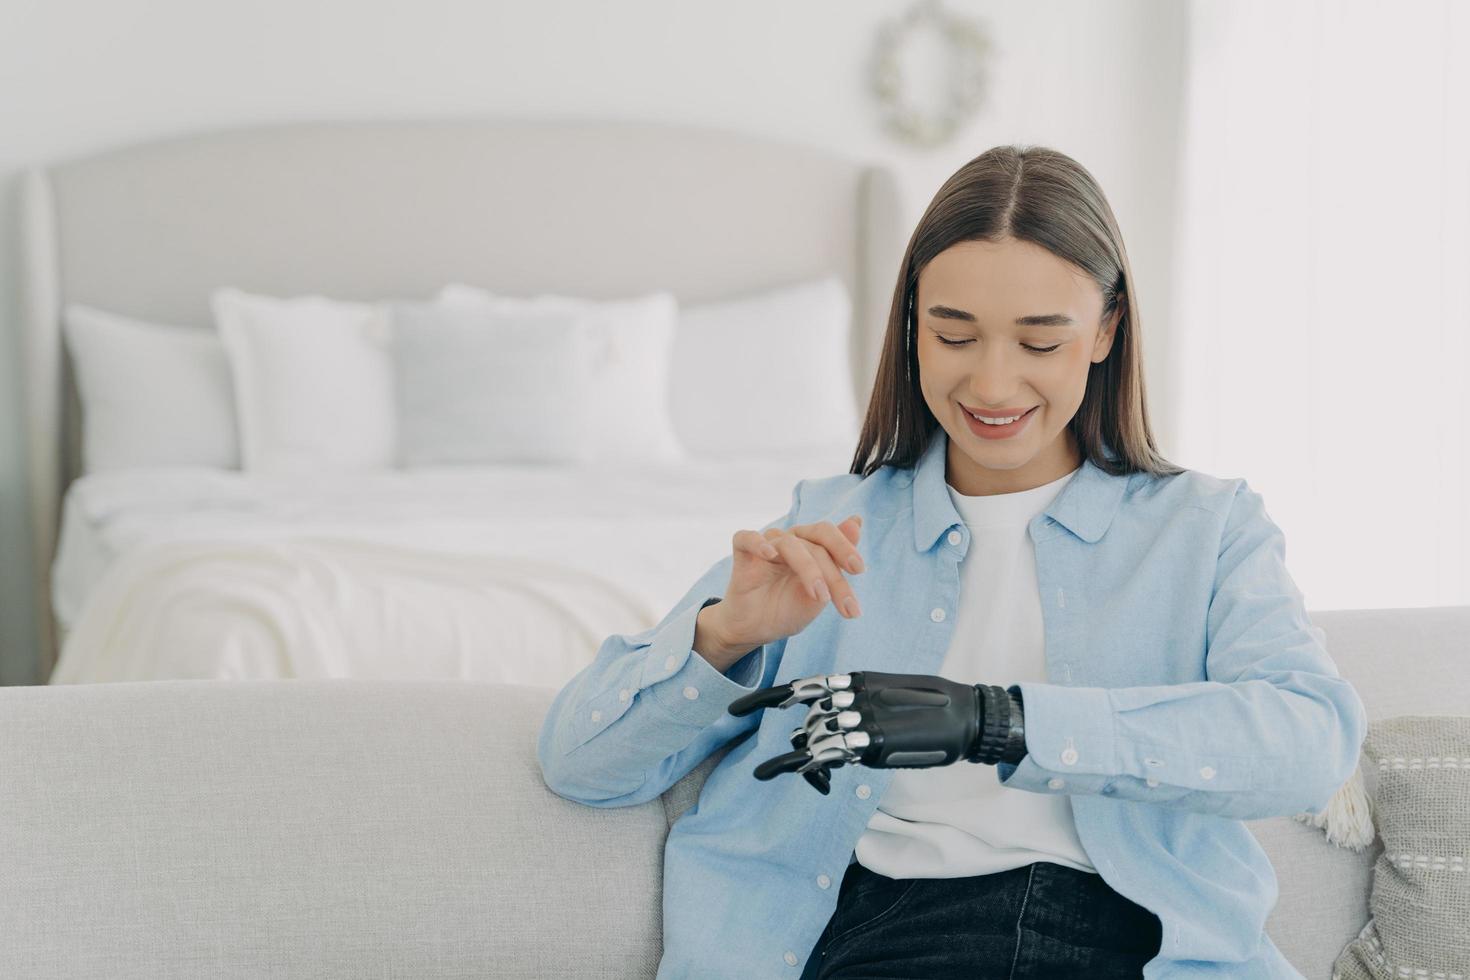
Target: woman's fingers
[840, 546]
[799, 558]
[755, 543]
[809, 551]
[841, 593]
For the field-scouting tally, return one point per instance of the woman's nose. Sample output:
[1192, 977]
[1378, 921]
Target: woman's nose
[994, 377]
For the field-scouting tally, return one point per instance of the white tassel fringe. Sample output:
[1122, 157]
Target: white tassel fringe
[1348, 816]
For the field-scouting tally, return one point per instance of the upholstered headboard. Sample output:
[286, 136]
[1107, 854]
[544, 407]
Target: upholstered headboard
[378, 210]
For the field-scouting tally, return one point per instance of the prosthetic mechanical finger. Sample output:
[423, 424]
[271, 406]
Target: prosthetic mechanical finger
[890, 721]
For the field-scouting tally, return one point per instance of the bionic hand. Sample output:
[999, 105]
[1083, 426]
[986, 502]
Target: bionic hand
[891, 721]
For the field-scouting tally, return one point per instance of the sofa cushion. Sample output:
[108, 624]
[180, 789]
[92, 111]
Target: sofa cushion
[1420, 897]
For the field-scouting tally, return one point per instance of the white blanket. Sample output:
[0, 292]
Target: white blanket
[250, 609]
[511, 574]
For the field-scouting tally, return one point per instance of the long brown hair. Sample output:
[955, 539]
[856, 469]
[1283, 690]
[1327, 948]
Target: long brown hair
[1041, 196]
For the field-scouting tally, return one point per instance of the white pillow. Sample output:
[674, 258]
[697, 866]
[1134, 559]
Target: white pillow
[629, 419]
[479, 385]
[313, 382]
[152, 394]
[765, 373]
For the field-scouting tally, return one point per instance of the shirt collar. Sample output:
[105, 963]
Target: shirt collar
[1085, 506]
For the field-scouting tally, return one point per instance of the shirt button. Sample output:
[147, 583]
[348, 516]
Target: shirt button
[823, 881]
[937, 615]
[790, 957]
[864, 792]
[623, 694]
[1056, 783]
[691, 693]
[669, 663]
[1207, 772]
[954, 537]
[597, 716]
[1151, 781]
[1069, 757]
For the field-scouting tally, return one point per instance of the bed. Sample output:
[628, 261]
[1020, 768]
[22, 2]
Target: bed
[510, 573]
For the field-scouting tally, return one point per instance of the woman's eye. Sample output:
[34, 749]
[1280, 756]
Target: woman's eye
[1034, 350]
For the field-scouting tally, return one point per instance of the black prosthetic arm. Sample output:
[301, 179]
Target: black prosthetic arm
[891, 721]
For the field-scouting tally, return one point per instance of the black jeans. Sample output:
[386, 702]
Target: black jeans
[1043, 920]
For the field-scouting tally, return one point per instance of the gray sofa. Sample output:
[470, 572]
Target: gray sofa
[352, 828]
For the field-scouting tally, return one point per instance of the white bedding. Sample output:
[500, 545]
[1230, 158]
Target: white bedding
[505, 573]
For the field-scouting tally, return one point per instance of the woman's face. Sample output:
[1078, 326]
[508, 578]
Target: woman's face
[976, 294]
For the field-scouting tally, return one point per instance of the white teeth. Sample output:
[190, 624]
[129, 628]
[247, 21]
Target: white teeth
[995, 421]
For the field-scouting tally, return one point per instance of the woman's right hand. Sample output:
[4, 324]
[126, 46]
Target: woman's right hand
[781, 580]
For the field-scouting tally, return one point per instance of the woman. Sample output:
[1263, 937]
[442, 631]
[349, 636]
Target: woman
[1128, 629]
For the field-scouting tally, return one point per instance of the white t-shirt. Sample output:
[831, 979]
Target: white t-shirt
[957, 820]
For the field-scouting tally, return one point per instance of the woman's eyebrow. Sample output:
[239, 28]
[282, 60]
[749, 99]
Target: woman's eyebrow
[1037, 320]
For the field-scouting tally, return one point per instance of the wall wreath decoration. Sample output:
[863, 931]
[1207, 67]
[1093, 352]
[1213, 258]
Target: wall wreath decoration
[965, 46]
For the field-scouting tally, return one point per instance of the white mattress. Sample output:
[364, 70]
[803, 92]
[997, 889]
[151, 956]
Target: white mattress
[400, 554]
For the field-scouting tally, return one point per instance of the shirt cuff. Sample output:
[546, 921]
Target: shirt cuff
[1070, 743]
[687, 686]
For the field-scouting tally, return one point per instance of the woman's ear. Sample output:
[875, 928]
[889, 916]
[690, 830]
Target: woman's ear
[1104, 343]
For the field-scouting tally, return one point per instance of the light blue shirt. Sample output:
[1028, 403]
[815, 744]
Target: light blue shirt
[1187, 691]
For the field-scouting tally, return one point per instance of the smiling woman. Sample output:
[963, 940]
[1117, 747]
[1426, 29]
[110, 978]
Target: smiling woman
[1033, 589]
[1011, 298]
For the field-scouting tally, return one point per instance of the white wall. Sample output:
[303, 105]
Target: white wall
[1096, 81]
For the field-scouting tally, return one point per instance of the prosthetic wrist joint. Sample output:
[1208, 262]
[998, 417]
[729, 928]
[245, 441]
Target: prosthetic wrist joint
[1002, 735]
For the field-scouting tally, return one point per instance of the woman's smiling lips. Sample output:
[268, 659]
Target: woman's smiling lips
[988, 430]
[1003, 413]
